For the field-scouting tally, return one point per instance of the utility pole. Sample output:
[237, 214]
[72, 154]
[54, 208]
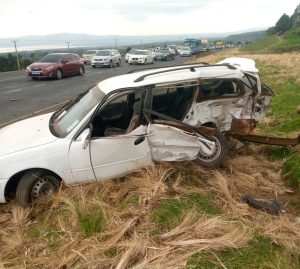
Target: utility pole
[116, 43]
[68, 42]
[18, 62]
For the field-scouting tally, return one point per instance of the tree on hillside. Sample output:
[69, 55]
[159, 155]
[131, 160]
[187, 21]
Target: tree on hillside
[283, 24]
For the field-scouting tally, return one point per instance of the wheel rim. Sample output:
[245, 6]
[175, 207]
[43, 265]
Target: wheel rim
[58, 74]
[81, 71]
[42, 188]
[209, 158]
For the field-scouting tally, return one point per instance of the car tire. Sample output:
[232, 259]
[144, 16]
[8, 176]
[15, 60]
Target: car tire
[35, 185]
[59, 74]
[119, 62]
[33, 78]
[93, 66]
[152, 61]
[81, 71]
[145, 62]
[218, 157]
[110, 64]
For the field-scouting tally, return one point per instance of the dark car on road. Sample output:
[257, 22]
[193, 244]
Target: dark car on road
[56, 65]
[164, 55]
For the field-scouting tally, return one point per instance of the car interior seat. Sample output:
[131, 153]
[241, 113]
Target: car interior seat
[134, 122]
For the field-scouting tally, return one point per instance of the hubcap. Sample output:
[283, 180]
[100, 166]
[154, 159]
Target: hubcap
[210, 157]
[42, 188]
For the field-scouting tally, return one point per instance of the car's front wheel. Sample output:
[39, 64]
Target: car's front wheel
[219, 155]
[34, 185]
[81, 70]
[145, 62]
[59, 74]
[119, 62]
[110, 64]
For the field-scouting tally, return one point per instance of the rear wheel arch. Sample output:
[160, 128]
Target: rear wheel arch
[12, 184]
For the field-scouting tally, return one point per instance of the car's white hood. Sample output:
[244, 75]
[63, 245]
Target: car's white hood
[26, 134]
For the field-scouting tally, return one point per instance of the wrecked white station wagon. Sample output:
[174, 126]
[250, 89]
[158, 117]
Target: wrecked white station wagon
[176, 113]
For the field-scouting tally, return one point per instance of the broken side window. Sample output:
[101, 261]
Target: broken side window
[173, 100]
[210, 89]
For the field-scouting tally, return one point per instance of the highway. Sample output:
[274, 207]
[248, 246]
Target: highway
[21, 97]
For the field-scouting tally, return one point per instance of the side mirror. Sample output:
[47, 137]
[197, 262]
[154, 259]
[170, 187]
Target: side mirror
[84, 138]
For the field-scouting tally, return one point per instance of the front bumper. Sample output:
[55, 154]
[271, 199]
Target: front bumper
[40, 74]
[136, 61]
[161, 58]
[96, 63]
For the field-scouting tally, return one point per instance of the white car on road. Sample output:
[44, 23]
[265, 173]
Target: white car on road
[128, 54]
[107, 57]
[141, 57]
[185, 51]
[130, 121]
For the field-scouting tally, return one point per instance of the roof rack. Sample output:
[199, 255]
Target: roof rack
[192, 69]
[159, 67]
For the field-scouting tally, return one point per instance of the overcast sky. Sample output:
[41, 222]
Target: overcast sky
[140, 17]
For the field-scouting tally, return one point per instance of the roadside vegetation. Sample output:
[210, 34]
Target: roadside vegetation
[176, 215]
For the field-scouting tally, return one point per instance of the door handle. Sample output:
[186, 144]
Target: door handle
[139, 140]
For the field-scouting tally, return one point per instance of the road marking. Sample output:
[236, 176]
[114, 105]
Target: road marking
[7, 79]
[39, 85]
[13, 91]
[31, 114]
[10, 87]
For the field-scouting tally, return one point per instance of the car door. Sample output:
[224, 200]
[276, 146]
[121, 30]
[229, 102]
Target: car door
[110, 154]
[168, 137]
[67, 65]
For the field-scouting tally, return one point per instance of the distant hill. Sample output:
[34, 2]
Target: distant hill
[86, 40]
[246, 37]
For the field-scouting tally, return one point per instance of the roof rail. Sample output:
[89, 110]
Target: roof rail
[159, 67]
[192, 69]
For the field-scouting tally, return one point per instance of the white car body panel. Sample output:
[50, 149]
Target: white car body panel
[170, 144]
[121, 156]
[15, 139]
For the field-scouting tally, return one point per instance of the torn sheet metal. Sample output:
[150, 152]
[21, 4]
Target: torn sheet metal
[168, 143]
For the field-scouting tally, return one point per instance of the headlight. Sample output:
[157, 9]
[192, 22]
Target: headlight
[49, 68]
[142, 58]
[28, 68]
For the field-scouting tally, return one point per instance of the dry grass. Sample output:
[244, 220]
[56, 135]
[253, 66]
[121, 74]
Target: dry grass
[52, 237]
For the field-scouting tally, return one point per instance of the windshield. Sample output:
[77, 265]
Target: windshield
[140, 52]
[51, 58]
[187, 49]
[89, 52]
[68, 119]
[131, 51]
[164, 51]
[103, 53]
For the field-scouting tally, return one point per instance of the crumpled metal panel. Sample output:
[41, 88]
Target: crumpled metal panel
[171, 144]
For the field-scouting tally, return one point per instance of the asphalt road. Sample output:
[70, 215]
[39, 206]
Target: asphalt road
[21, 97]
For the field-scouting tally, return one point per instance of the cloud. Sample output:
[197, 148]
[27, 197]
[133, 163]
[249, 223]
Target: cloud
[142, 10]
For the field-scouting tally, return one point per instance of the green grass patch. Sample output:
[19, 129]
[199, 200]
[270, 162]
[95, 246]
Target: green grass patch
[91, 220]
[291, 165]
[259, 254]
[261, 44]
[291, 168]
[128, 202]
[171, 211]
[290, 41]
